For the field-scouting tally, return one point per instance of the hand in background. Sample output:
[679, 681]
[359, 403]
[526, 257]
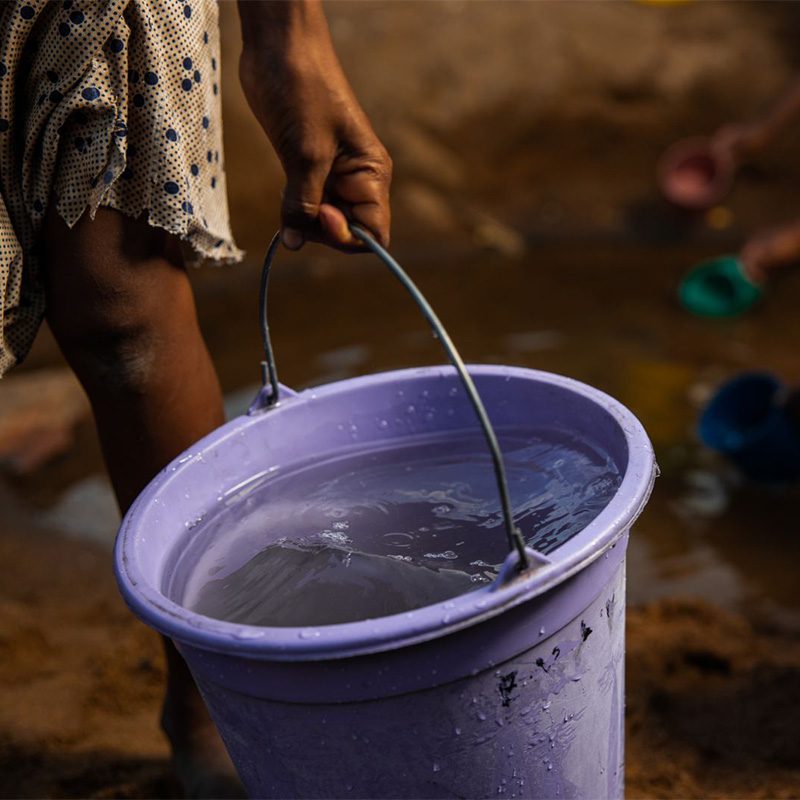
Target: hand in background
[336, 167]
[767, 252]
[736, 142]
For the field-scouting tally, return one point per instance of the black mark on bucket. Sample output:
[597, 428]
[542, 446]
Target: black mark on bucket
[585, 631]
[507, 685]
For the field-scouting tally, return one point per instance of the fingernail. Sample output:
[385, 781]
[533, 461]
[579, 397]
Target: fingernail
[292, 238]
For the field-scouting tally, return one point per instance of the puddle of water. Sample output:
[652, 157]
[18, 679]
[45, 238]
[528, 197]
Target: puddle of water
[87, 510]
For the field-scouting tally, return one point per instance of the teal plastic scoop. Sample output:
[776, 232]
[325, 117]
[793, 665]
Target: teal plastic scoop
[718, 288]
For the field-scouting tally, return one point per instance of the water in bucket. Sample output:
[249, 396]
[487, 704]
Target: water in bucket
[371, 534]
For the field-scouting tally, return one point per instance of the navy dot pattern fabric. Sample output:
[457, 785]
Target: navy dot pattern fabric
[109, 103]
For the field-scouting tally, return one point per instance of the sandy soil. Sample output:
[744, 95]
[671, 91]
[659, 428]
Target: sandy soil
[82, 683]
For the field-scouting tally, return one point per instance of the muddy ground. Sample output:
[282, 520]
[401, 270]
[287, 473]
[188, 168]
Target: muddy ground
[711, 697]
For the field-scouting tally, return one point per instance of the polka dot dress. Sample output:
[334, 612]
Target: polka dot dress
[105, 103]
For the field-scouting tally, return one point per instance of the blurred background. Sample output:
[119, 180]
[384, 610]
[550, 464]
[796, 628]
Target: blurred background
[525, 138]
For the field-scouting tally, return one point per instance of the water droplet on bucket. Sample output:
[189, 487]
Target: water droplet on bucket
[453, 392]
[541, 631]
[307, 634]
[410, 410]
[383, 424]
[248, 633]
[457, 731]
[436, 766]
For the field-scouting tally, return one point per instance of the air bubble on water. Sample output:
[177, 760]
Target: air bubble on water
[308, 634]
[546, 704]
[481, 716]
[341, 525]
[436, 766]
[442, 508]
[447, 555]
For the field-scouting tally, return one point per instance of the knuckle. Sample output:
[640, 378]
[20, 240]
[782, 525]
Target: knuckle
[309, 157]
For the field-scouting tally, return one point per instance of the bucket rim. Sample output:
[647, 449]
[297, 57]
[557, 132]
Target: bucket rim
[326, 642]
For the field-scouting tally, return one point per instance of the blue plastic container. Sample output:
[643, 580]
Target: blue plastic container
[747, 422]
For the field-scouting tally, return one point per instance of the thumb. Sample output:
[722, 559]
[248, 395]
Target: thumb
[300, 206]
[335, 228]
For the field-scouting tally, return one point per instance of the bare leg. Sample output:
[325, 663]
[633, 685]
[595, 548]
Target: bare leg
[121, 308]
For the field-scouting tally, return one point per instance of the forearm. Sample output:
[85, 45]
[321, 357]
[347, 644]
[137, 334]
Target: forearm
[278, 28]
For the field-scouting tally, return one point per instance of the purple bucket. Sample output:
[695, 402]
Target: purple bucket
[515, 689]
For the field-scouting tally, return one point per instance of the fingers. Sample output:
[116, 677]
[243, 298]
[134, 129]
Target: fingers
[302, 196]
[364, 193]
[323, 196]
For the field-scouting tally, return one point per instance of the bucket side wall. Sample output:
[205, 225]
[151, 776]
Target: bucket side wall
[547, 723]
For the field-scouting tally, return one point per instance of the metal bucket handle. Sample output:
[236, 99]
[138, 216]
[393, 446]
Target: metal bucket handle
[270, 374]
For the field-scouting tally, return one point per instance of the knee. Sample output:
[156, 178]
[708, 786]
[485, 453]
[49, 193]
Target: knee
[111, 348]
[115, 295]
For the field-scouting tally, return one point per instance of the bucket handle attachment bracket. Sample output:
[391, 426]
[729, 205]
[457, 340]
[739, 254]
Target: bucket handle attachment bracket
[270, 394]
